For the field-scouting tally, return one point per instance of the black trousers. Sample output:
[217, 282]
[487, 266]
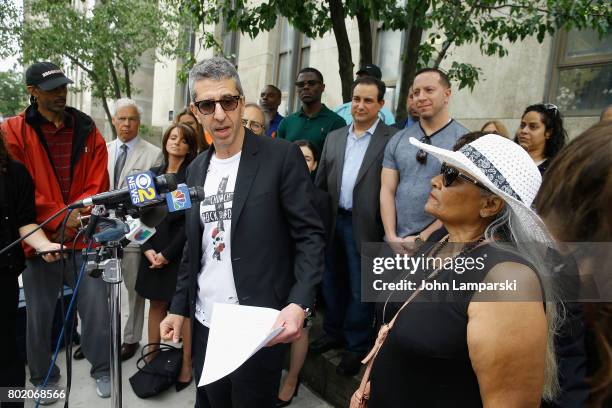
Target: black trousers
[12, 367]
[254, 384]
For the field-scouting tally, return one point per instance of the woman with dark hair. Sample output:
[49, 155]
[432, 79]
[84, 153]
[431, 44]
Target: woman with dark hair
[299, 348]
[17, 218]
[188, 118]
[574, 201]
[161, 254]
[541, 133]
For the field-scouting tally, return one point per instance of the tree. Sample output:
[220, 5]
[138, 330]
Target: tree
[452, 23]
[12, 88]
[106, 42]
[10, 21]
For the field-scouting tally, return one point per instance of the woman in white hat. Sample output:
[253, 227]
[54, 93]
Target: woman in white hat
[469, 352]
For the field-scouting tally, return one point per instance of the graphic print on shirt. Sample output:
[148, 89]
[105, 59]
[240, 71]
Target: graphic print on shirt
[219, 214]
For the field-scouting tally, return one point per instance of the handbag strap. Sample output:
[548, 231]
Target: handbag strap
[380, 340]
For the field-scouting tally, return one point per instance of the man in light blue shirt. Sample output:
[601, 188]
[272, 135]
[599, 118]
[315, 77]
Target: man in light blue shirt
[349, 170]
[345, 110]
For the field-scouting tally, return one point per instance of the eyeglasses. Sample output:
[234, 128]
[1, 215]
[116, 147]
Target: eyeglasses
[228, 103]
[450, 174]
[310, 83]
[254, 126]
[421, 155]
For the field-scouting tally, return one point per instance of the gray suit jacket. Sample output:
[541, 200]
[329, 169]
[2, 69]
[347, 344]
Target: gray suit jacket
[144, 156]
[367, 224]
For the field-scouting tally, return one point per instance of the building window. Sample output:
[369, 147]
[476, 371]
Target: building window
[387, 58]
[581, 82]
[289, 63]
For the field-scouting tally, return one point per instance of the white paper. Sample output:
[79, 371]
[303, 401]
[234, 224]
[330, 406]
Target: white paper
[236, 333]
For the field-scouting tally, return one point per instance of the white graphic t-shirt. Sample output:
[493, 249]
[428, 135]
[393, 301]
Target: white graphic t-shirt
[216, 278]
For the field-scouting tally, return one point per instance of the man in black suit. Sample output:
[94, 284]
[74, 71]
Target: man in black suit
[256, 238]
[349, 170]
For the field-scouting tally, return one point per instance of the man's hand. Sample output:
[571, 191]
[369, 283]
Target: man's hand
[51, 246]
[73, 219]
[292, 319]
[171, 327]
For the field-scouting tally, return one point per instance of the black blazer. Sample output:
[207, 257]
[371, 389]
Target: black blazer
[169, 238]
[367, 224]
[277, 236]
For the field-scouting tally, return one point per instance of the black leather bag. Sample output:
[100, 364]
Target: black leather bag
[160, 373]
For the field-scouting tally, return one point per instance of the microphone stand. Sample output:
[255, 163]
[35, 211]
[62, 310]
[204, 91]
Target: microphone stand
[105, 261]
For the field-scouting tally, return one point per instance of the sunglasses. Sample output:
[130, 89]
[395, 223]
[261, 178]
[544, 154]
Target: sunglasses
[450, 174]
[228, 103]
[310, 83]
[421, 155]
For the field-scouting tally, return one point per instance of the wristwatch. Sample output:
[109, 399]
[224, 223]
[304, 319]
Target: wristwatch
[307, 311]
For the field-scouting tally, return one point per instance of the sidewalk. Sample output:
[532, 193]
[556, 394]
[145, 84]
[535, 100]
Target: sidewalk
[83, 392]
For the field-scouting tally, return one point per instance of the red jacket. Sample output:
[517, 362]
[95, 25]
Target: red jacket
[88, 163]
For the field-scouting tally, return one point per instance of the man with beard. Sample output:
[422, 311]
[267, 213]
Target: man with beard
[407, 171]
[314, 120]
[66, 157]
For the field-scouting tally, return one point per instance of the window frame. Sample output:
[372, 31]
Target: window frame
[561, 63]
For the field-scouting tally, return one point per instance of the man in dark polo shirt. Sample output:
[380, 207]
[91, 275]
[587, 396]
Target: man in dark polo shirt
[314, 120]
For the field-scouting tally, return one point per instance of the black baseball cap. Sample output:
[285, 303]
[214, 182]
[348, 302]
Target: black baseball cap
[370, 70]
[46, 76]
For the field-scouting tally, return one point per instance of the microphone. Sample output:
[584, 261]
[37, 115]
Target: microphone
[143, 228]
[181, 198]
[142, 188]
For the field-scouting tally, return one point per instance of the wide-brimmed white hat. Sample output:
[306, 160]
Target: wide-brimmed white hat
[503, 167]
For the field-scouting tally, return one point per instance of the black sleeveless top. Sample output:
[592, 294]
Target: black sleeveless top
[425, 361]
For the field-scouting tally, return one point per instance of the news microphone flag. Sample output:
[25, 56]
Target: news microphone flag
[179, 199]
[139, 233]
[142, 188]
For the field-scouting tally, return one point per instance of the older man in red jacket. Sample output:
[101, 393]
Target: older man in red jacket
[66, 156]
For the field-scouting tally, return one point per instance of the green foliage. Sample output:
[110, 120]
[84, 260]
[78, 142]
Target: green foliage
[10, 21]
[107, 42]
[491, 24]
[14, 96]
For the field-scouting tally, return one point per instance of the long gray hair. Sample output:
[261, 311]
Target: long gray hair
[509, 228]
[216, 68]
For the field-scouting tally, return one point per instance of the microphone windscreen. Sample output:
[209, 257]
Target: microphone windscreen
[153, 216]
[166, 183]
[196, 194]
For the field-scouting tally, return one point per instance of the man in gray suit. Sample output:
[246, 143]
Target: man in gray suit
[128, 154]
[349, 170]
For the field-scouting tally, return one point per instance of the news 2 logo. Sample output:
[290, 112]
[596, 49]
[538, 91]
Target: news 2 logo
[178, 199]
[142, 188]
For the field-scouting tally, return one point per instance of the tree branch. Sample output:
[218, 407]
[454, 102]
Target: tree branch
[126, 75]
[442, 53]
[116, 86]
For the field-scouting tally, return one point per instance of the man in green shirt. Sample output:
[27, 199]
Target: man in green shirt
[314, 120]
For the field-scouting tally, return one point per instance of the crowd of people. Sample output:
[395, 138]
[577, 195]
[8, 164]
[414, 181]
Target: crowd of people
[290, 203]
